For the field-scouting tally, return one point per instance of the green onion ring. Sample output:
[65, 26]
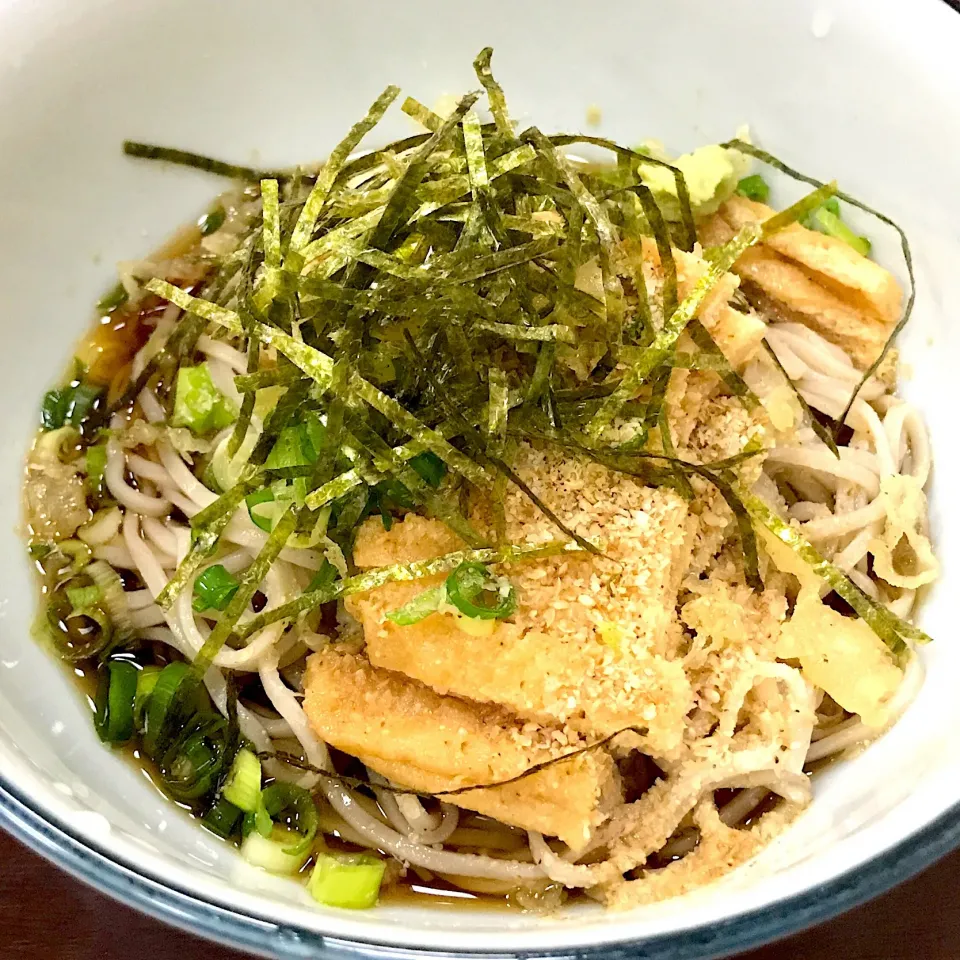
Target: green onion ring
[472, 580]
[116, 691]
[281, 797]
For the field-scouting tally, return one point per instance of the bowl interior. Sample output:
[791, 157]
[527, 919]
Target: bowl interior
[860, 90]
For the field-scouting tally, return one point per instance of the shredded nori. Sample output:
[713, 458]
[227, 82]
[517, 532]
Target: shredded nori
[428, 300]
[186, 158]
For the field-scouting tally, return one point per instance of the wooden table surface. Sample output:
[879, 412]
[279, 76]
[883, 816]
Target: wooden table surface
[46, 915]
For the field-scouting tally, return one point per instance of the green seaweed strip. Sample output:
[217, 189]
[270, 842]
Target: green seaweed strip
[498, 409]
[458, 268]
[607, 233]
[664, 247]
[724, 482]
[495, 94]
[203, 547]
[207, 527]
[334, 240]
[536, 228]
[883, 218]
[475, 440]
[228, 319]
[249, 401]
[683, 194]
[406, 186]
[269, 286]
[719, 363]
[270, 195]
[430, 439]
[319, 367]
[796, 211]
[347, 481]
[551, 332]
[398, 300]
[571, 251]
[386, 461]
[250, 581]
[665, 340]
[423, 115]
[458, 186]
[300, 764]
[186, 158]
[403, 573]
[818, 428]
[278, 377]
[476, 157]
[890, 628]
[225, 504]
[306, 223]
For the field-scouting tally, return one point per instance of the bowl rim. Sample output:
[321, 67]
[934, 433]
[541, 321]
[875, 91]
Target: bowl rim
[54, 840]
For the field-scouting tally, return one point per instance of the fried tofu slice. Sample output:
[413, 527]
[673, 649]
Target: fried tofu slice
[806, 277]
[431, 743]
[584, 645]
[738, 335]
[835, 264]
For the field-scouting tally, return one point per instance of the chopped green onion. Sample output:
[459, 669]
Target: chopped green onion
[401, 573]
[146, 681]
[271, 854]
[191, 766]
[754, 187]
[214, 588]
[294, 806]
[77, 634]
[324, 577]
[242, 787]
[162, 705]
[349, 880]
[419, 607]
[430, 467]
[265, 507]
[83, 597]
[115, 297]
[827, 220]
[96, 464]
[222, 818]
[299, 445]
[116, 693]
[198, 403]
[258, 821]
[68, 405]
[477, 594]
[212, 220]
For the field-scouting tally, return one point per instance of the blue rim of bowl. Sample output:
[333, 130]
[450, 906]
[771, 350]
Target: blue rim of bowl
[191, 913]
[57, 843]
[194, 914]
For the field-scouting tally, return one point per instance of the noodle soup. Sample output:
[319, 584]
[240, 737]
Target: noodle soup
[466, 518]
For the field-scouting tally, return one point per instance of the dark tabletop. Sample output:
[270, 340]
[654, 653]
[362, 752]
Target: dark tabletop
[46, 915]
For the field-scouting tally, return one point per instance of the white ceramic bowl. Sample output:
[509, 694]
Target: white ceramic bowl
[867, 91]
